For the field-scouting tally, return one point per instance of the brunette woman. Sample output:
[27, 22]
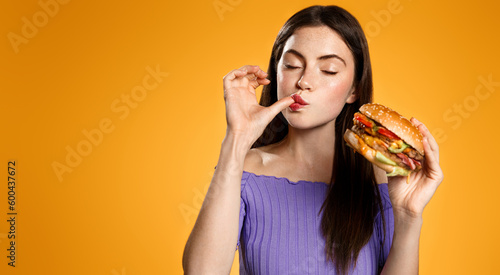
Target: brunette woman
[287, 191]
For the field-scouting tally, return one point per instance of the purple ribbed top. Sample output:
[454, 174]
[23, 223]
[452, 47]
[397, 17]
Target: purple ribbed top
[280, 230]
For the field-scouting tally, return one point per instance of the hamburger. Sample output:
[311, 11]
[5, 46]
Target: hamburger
[387, 139]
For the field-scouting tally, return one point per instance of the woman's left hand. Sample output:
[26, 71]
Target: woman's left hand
[411, 198]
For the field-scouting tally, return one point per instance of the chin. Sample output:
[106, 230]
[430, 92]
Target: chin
[302, 121]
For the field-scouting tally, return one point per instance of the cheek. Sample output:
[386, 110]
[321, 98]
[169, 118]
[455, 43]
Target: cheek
[339, 90]
[284, 83]
[336, 94]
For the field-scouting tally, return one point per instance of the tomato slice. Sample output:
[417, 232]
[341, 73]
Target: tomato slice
[363, 119]
[387, 133]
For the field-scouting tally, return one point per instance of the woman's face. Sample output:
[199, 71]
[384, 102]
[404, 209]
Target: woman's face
[317, 65]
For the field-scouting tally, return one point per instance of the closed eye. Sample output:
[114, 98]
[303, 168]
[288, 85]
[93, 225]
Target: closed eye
[291, 67]
[330, 72]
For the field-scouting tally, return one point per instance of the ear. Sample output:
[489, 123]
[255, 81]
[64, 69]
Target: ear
[353, 95]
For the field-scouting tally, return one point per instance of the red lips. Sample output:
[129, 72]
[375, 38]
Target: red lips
[299, 102]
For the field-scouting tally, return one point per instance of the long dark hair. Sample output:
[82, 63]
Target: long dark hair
[353, 198]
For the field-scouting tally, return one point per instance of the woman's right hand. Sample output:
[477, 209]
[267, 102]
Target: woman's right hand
[245, 117]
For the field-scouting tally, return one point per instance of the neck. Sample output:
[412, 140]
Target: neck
[311, 147]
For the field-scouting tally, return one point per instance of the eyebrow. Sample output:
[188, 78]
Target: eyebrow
[323, 57]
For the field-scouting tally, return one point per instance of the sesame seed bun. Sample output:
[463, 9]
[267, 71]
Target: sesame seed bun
[396, 123]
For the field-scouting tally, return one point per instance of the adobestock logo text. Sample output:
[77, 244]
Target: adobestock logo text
[31, 26]
[382, 18]
[456, 114]
[122, 107]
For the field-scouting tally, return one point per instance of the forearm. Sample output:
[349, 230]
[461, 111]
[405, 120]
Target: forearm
[403, 256]
[211, 246]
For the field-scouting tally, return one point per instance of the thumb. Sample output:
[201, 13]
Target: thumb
[279, 106]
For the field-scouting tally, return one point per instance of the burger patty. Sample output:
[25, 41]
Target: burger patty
[410, 151]
[381, 143]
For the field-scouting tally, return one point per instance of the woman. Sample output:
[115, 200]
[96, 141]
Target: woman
[286, 188]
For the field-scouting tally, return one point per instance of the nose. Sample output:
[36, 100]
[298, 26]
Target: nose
[306, 80]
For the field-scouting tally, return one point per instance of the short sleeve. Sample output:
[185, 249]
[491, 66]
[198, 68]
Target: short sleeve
[244, 179]
[385, 241]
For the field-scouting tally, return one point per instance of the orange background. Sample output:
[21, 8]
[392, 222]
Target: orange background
[129, 204]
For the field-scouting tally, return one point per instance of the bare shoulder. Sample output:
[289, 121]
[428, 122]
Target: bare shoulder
[257, 159]
[253, 160]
